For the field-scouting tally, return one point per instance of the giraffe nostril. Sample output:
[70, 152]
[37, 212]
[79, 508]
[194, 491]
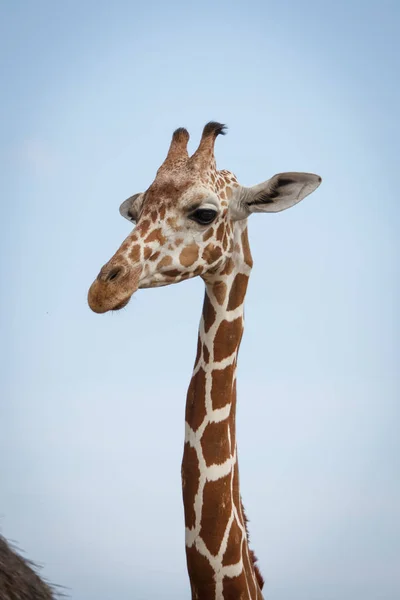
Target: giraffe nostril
[113, 274]
[110, 275]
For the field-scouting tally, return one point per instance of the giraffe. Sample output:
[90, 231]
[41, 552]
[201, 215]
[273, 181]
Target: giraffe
[192, 221]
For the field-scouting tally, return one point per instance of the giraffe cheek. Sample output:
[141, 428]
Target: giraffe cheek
[164, 262]
[211, 253]
[189, 255]
[135, 253]
[147, 252]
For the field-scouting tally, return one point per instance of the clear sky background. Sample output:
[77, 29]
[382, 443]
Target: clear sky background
[92, 407]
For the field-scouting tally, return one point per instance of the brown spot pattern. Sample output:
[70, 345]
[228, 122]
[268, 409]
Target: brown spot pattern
[234, 587]
[228, 268]
[155, 256]
[165, 191]
[147, 252]
[220, 232]
[144, 227]
[209, 313]
[155, 236]
[204, 587]
[227, 338]
[221, 390]
[171, 222]
[173, 273]
[135, 253]
[233, 416]
[217, 507]
[198, 353]
[208, 234]
[198, 270]
[215, 443]
[190, 483]
[211, 253]
[195, 400]
[246, 249]
[189, 255]
[238, 291]
[236, 491]
[206, 354]
[219, 290]
[232, 552]
[164, 262]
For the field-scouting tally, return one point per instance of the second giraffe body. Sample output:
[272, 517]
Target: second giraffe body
[192, 221]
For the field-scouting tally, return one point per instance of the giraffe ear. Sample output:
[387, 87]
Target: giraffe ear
[278, 193]
[130, 209]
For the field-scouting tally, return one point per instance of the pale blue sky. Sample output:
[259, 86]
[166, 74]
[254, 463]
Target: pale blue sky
[92, 407]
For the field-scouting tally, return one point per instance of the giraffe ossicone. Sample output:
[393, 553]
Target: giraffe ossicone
[192, 221]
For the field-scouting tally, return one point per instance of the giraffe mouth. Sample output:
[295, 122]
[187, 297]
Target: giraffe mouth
[113, 293]
[121, 304]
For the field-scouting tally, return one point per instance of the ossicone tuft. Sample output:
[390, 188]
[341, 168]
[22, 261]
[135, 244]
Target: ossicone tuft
[181, 135]
[177, 152]
[214, 128]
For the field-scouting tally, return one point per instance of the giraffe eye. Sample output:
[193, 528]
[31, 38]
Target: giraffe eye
[203, 216]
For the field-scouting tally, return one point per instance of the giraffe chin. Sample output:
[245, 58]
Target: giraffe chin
[122, 304]
[101, 305]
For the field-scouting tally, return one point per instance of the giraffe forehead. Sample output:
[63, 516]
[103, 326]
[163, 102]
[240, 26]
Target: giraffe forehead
[167, 200]
[178, 188]
[167, 188]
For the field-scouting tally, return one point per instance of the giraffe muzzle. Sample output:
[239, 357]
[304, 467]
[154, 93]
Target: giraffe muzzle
[113, 287]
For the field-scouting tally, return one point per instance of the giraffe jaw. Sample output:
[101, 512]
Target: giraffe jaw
[122, 304]
[101, 306]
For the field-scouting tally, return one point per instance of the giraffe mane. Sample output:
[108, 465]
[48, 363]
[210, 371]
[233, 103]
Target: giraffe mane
[253, 557]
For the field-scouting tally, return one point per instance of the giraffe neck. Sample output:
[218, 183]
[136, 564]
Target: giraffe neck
[220, 564]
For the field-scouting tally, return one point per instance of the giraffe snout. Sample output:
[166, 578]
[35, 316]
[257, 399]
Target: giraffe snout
[113, 287]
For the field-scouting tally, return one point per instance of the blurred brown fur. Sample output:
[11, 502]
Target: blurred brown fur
[18, 577]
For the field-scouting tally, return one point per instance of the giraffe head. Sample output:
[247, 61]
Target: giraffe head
[190, 221]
